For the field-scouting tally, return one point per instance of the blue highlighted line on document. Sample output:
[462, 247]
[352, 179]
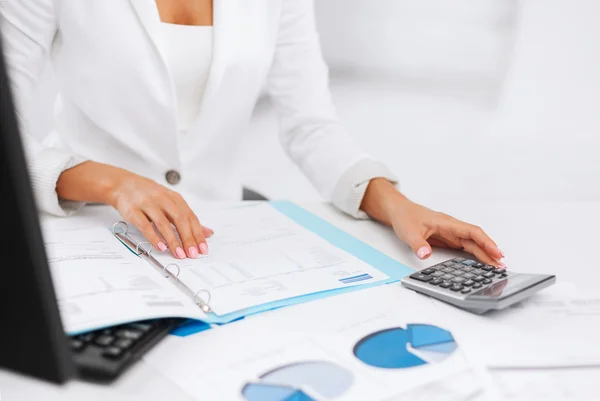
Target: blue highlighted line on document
[354, 279]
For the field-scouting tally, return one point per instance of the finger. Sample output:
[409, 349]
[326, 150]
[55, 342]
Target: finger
[199, 234]
[469, 231]
[480, 254]
[452, 243]
[437, 243]
[139, 219]
[207, 232]
[180, 217]
[165, 229]
[417, 240]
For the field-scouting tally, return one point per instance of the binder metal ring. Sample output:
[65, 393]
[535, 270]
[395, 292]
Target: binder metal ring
[145, 252]
[166, 268]
[204, 305]
[120, 224]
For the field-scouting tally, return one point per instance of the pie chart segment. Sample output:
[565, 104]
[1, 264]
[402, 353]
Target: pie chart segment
[421, 335]
[270, 392]
[387, 349]
[323, 378]
[400, 348]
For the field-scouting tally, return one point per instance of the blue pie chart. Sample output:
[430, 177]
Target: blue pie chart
[325, 380]
[400, 348]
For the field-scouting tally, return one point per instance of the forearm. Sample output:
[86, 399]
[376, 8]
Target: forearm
[381, 199]
[90, 182]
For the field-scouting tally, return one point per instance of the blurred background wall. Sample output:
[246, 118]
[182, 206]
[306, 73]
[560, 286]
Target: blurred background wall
[477, 99]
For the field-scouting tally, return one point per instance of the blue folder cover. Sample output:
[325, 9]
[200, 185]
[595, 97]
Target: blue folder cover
[337, 237]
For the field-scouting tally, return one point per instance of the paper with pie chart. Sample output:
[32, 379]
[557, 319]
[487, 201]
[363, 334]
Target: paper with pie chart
[300, 382]
[393, 348]
[401, 348]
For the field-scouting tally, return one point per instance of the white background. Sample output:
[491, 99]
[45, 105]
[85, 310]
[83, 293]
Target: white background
[476, 99]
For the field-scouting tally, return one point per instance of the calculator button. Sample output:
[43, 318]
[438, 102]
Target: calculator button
[487, 268]
[458, 280]
[467, 269]
[503, 275]
[468, 262]
[479, 278]
[479, 265]
[458, 273]
[458, 259]
[448, 263]
[448, 276]
[500, 271]
[487, 281]
[448, 270]
[458, 265]
[477, 285]
[421, 277]
[469, 276]
[465, 291]
[477, 272]
[445, 284]
[436, 281]
[469, 283]
[456, 287]
[438, 274]
[488, 275]
[427, 271]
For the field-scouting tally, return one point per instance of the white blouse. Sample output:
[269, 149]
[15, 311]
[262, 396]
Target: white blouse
[189, 53]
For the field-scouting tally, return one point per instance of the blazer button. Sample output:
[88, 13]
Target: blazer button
[173, 177]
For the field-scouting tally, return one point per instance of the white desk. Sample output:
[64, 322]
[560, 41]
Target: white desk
[557, 238]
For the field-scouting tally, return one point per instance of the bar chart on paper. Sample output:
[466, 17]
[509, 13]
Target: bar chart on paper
[400, 348]
[299, 381]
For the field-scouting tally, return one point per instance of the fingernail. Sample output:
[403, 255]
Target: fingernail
[161, 246]
[179, 252]
[193, 252]
[501, 265]
[423, 252]
[501, 253]
[210, 232]
[203, 249]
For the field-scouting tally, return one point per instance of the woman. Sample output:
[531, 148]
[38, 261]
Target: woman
[152, 99]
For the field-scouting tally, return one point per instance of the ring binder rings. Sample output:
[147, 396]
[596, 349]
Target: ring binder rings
[120, 229]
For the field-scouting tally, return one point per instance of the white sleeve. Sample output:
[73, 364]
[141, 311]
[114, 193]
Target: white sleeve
[28, 29]
[310, 132]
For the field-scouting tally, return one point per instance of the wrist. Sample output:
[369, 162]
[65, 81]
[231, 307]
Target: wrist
[91, 182]
[382, 200]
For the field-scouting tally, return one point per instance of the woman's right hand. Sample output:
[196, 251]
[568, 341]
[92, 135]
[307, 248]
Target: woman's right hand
[163, 216]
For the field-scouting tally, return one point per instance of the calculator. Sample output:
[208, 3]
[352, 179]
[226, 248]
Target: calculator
[475, 286]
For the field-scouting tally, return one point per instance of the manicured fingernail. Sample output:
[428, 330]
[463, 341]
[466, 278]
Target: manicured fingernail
[179, 252]
[423, 252]
[203, 249]
[210, 232]
[193, 252]
[161, 246]
[501, 253]
[501, 265]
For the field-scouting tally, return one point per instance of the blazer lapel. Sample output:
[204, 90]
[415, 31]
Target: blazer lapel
[220, 49]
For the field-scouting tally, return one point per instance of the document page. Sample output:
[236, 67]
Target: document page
[553, 328]
[340, 348]
[99, 282]
[258, 255]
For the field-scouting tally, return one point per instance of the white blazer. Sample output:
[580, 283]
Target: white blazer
[117, 103]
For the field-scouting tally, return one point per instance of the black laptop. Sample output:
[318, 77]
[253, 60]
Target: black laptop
[32, 340]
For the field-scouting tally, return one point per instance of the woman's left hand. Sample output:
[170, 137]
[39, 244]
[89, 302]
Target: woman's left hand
[422, 228]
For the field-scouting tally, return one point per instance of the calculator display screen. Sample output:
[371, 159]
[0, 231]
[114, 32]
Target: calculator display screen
[508, 286]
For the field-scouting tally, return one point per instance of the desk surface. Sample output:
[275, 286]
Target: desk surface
[556, 238]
